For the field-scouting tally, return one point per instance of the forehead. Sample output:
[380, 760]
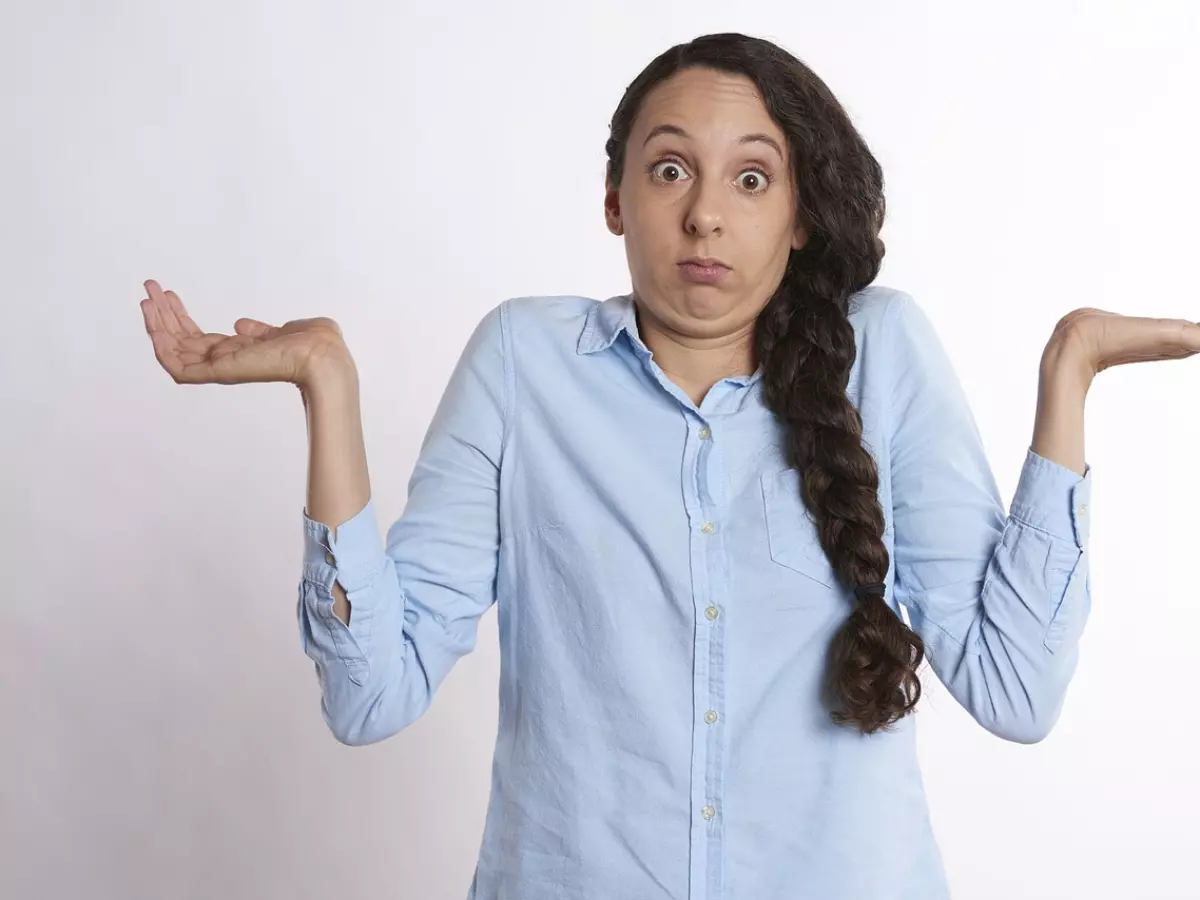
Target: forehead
[711, 106]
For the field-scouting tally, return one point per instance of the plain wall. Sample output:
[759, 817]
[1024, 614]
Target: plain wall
[403, 169]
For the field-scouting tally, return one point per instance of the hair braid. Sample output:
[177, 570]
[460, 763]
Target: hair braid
[807, 350]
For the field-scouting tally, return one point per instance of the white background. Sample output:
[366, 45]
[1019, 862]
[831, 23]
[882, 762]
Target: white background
[403, 169]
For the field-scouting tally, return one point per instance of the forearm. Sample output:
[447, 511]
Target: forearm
[338, 481]
[1062, 392]
[1009, 657]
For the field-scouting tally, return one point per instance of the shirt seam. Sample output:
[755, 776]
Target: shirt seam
[888, 408]
[507, 398]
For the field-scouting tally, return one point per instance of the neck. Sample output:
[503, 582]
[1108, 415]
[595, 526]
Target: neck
[696, 364]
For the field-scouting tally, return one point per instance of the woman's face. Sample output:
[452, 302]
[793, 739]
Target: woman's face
[707, 174]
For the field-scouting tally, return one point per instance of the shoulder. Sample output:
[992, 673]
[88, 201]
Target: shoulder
[877, 304]
[542, 314]
[534, 322]
[531, 315]
[542, 330]
[548, 308]
[894, 319]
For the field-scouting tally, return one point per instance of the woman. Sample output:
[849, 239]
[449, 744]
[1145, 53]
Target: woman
[699, 508]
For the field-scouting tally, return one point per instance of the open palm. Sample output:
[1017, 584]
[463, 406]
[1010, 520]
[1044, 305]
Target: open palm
[255, 352]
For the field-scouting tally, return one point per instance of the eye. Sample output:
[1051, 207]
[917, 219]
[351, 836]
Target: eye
[668, 170]
[759, 180]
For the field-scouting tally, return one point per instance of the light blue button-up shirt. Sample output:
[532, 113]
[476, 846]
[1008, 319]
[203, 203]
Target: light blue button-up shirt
[664, 610]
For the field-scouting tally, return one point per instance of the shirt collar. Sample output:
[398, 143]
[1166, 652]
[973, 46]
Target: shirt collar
[607, 319]
[604, 323]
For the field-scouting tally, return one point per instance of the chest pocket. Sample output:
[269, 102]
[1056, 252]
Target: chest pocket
[791, 532]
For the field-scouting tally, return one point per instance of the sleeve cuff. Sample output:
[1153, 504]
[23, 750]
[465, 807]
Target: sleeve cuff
[1054, 498]
[353, 557]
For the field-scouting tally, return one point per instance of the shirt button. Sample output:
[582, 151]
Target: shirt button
[712, 612]
[1083, 509]
[710, 717]
[708, 527]
[708, 812]
[705, 433]
[329, 557]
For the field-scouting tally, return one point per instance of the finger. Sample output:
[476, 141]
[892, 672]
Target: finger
[166, 316]
[185, 321]
[149, 316]
[166, 347]
[253, 327]
[1191, 335]
[1157, 339]
[162, 339]
[1174, 338]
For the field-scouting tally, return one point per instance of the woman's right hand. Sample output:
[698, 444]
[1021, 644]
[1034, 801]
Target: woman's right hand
[294, 352]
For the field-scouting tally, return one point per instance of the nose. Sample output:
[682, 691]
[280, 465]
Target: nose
[704, 216]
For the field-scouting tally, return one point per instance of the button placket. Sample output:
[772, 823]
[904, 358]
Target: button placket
[712, 689]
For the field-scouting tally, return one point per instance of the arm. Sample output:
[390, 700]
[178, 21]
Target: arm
[412, 603]
[1062, 391]
[999, 599]
[338, 481]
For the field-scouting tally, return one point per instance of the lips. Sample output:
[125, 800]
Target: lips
[703, 269]
[706, 262]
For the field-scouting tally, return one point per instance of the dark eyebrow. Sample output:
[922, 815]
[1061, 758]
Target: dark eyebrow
[757, 138]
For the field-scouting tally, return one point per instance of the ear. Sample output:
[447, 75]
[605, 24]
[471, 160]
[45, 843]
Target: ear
[799, 238]
[612, 209]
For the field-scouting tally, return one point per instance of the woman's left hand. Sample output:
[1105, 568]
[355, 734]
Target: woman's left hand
[1095, 340]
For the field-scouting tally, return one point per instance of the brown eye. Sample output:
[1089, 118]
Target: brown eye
[668, 170]
[755, 180]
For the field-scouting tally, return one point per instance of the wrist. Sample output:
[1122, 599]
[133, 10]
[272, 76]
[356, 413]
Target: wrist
[1058, 428]
[330, 370]
[1065, 366]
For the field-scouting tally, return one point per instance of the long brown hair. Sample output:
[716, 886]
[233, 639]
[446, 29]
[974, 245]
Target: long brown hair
[805, 344]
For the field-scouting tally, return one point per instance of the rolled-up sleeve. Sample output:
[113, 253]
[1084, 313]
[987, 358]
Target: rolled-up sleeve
[999, 599]
[415, 597]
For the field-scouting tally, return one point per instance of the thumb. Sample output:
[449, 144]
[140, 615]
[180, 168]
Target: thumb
[251, 327]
